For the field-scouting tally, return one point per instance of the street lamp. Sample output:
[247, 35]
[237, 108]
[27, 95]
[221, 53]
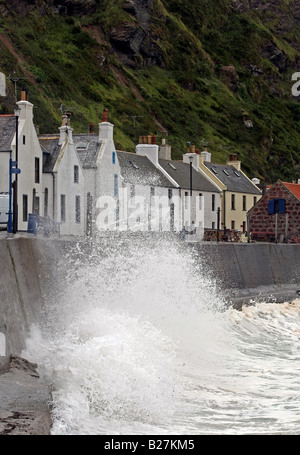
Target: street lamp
[191, 157]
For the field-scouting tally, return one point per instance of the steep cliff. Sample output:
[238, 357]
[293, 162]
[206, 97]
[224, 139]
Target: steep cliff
[202, 71]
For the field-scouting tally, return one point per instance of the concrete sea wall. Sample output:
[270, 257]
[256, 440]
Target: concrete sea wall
[242, 272]
[257, 271]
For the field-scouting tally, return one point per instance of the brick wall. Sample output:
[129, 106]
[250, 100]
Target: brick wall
[260, 220]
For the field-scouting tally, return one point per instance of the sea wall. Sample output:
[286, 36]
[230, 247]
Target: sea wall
[243, 272]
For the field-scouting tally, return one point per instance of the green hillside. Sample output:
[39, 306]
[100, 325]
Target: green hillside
[204, 71]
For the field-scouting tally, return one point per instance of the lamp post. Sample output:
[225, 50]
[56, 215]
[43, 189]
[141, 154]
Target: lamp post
[14, 170]
[191, 156]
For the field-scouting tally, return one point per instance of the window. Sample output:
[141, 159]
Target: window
[213, 199]
[200, 201]
[244, 226]
[244, 203]
[37, 170]
[276, 206]
[81, 145]
[76, 174]
[233, 225]
[213, 225]
[36, 208]
[186, 198]
[233, 202]
[25, 207]
[116, 185]
[62, 208]
[24, 140]
[170, 193]
[77, 209]
[254, 200]
[152, 191]
[132, 190]
[46, 202]
[113, 157]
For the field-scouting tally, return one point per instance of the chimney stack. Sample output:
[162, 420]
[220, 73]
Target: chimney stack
[65, 130]
[233, 161]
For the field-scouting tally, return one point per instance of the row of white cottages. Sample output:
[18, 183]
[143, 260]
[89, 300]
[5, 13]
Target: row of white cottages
[85, 186]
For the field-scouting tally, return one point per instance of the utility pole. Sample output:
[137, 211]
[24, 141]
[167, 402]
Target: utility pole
[15, 79]
[134, 117]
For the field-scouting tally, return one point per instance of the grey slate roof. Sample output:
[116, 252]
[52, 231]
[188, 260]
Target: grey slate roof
[7, 132]
[181, 175]
[50, 149]
[139, 170]
[88, 147]
[233, 179]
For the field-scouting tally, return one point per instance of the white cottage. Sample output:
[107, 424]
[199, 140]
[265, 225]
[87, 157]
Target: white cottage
[28, 154]
[101, 169]
[63, 181]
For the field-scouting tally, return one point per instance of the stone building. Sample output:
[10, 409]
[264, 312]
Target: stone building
[276, 216]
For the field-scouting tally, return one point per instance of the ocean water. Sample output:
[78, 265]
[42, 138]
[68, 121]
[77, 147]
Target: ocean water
[139, 341]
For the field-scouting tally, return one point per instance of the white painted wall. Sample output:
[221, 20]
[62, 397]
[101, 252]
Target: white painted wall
[28, 149]
[65, 185]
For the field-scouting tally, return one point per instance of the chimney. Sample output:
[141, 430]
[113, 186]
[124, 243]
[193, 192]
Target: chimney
[206, 156]
[164, 152]
[24, 95]
[233, 161]
[106, 129]
[105, 115]
[65, 130]
[26, 108]
[147, 147]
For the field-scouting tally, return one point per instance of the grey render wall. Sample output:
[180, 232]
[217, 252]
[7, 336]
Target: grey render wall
[251, 271]
[25, 267]
[243, 272]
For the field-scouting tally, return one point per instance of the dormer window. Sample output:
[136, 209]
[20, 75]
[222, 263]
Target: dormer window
[82, 145]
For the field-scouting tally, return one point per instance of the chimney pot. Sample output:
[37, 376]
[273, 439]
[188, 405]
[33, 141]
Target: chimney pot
[91, 127]
[153, 139]
[105, 115]
[24, 95]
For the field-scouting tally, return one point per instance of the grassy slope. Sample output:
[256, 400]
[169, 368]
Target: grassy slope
[61, 58]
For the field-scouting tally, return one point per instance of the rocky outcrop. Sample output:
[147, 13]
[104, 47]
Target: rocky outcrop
[133, 41]
[229, 77]
[24, 399]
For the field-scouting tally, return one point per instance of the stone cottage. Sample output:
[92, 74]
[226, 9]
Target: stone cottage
[276, 216]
